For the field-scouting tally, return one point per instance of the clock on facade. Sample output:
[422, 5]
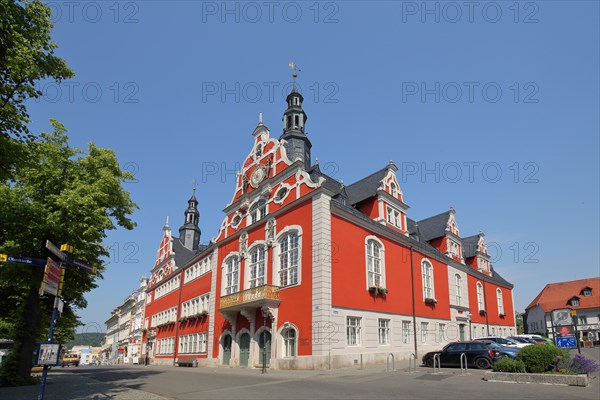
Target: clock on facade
[257, 176]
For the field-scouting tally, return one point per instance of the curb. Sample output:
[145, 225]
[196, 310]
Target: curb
[552, 379]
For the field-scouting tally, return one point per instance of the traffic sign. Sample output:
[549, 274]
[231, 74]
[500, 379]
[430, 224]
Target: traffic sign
[565, 330]
[566, 342]
[55, 250]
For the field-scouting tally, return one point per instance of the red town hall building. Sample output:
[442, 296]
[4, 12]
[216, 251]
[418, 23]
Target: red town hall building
[317, 274]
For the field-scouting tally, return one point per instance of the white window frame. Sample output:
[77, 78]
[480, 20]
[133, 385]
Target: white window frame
[384, 330]
[480, 299]
[371, 260]
[257, 264]
[353, 331]
[427, 279]
[394, 216]
[290, 344]
[257, 211]
[406, 332]
[277, 257]
[424, 332]
[226, 287]
[458, 289]
[500, 301]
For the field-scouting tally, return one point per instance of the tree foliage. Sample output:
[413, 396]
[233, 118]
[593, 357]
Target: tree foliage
[64, 195]
[26, 57]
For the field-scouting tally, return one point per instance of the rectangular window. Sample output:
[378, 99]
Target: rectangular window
[583, 319]
[406, 332]
[424, 332]
[353, 331]
[441, 335]
[384, 331]
[288, 259]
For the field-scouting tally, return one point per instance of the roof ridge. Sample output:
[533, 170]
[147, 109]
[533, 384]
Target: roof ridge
[368, 176]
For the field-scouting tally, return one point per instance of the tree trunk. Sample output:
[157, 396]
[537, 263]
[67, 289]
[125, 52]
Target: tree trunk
[30, 326]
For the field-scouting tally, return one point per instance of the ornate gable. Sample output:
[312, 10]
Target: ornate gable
[165, 262]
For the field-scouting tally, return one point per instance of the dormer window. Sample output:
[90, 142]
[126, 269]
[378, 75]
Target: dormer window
[453, 248]
[574, 301]
[587, 292]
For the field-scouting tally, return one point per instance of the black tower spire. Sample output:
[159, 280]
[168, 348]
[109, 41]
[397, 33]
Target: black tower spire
[294, 120]
[189, 233]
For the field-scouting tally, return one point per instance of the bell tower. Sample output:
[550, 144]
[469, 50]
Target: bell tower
[294, 121]
[189, 233]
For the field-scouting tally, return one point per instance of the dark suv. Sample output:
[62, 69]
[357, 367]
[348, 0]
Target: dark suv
[479, 354]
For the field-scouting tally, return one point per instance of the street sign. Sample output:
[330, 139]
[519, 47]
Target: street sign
[38, 262]
[47, 353]
[52, 278]
[55, 250]
[80, 264]
[565, 330]
[566, 342]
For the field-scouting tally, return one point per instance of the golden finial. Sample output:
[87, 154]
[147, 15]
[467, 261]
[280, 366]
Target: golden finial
[295, 68]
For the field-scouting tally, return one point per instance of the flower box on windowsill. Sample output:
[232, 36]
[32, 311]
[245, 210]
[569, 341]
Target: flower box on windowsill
[378, 290]
[502, 315]
[482, 312]
[429, 300]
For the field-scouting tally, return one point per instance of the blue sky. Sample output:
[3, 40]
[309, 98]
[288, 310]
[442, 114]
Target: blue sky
[493, 110]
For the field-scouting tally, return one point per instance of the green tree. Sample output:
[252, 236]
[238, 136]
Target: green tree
[519, 322]
[63, 195]
[26, 58]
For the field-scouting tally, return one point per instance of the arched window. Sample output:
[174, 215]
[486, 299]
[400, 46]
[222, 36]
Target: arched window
[258, 210]
[427, 278]
[500, 301]
[393, 189]
[374, 263]
[231, 272]
[458, 290]
[288, 259]
[256, 267]
[480, 305]
[259, 150]
[289, 342]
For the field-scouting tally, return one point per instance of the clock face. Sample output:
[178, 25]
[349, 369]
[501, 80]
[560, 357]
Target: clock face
[257, 176]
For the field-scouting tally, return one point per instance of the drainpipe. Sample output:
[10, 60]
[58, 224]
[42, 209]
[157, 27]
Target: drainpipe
[177, 314]
[412, 283]
[487, 312]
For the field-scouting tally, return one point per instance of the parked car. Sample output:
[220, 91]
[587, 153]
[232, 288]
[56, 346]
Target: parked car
[505, 341]
[537, 338]
[505, 351]
[70, 359]
[527, 340]
[479, 354]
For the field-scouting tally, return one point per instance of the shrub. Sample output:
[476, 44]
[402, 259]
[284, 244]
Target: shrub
[580, 364]
[538, 359]
[506, 364]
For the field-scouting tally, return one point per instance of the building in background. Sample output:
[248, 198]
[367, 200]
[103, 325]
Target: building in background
[124, 330]
[310, 273]
[582, 295]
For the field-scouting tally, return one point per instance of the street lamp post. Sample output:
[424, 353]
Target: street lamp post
[265, 315]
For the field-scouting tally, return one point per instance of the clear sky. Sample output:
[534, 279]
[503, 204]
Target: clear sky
[489, 107]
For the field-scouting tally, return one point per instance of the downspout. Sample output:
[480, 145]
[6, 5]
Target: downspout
[487, 312]
[177, 316]
[412, 283]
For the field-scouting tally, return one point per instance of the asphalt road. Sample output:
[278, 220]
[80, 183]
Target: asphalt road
[128, 382]
[372, 383]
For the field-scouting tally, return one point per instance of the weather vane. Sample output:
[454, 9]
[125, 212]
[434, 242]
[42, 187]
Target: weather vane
[194, 184]
[295, 68]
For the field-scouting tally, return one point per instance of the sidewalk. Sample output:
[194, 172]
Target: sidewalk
[66, 385]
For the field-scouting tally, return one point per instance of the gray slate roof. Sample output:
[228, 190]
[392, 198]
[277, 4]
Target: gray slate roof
[330, 183]
[469, 246]
[433, 227]
[366, 187]
[182, 253]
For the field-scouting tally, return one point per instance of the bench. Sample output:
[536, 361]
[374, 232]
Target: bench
[187, 362]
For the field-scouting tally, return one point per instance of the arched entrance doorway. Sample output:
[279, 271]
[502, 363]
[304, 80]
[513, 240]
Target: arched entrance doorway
[244, 349]
[226, 349]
